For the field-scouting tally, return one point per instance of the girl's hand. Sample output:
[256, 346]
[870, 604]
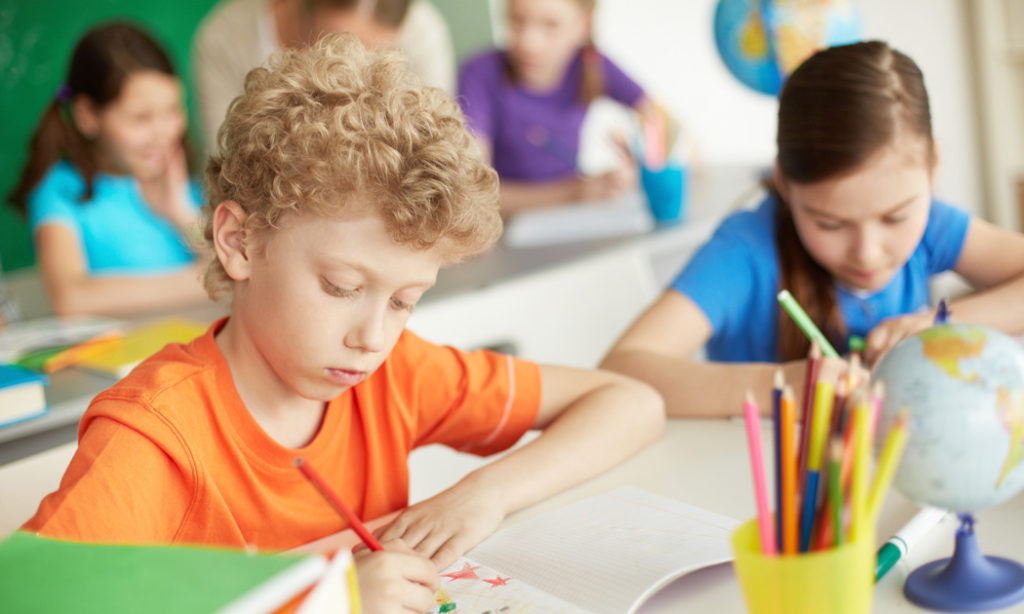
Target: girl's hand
[448, 524]
[167, 193]
[396, 579]
[892, 331]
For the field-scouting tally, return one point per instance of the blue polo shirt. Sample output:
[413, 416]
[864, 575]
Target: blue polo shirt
[734, 279]
[117, 231]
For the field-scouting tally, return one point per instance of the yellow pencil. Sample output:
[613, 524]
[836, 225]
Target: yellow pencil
[861, 465]
[889, 459]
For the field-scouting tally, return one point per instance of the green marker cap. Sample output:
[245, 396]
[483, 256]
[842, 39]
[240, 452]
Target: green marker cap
[856, 343]
[887, 557]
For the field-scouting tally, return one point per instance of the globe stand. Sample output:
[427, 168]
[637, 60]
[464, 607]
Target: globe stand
[967, 582]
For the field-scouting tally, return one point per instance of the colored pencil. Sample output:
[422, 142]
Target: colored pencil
[804, 322]
[813, 368]
[861, 467]
[942, 312]
[79, 352]
[338, 505]
[752, 417]
[823, 398]
[888, 460]
[777, 387]
[790, 527]
[835, 490]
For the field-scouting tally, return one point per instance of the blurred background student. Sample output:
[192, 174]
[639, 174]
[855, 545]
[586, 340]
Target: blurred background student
[526, 104]
[238, 35]
[106, 185]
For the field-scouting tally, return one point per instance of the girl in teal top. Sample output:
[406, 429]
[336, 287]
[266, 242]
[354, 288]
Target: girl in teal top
[105, 186]
[850, 228]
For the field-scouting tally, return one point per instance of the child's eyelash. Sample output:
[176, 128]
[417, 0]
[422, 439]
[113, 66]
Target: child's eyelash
[335, 290]
[402, 305]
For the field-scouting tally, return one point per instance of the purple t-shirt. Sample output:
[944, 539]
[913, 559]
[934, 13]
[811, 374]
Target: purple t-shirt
[534, 136]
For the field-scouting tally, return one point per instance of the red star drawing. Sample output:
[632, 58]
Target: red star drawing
[499, 581]
[466, 573]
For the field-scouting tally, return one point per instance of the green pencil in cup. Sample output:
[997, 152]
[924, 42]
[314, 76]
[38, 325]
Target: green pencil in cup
[802, 320]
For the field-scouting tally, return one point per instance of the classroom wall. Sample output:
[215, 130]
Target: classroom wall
[668, 45]
[36, 38]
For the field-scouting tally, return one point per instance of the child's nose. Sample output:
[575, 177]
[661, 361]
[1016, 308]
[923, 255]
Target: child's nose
[368, 333]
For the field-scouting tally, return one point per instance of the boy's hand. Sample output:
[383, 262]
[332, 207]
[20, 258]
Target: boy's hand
[396, 579]
[448, 524]
[892, 331]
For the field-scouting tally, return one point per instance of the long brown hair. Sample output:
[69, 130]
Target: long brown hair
[101, 62]
[592, 78]
[837, 109]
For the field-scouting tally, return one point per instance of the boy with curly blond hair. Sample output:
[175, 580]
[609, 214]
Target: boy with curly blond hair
[342, 187]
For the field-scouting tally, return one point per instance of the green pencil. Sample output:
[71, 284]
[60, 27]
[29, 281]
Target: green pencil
[802, 320]
[835, 490]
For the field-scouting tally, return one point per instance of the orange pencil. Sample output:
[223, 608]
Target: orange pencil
[790, 504]
[82, 351]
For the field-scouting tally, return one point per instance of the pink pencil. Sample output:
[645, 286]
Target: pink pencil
[752, 416]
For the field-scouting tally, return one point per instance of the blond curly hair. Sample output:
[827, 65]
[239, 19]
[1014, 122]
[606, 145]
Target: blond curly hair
[335, 121]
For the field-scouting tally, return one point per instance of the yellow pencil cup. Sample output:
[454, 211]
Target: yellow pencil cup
[838, 581]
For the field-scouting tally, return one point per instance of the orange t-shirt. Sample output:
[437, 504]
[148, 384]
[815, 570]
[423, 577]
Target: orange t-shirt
[171, 455]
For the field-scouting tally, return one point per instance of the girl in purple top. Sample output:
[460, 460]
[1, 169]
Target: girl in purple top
[526, 104]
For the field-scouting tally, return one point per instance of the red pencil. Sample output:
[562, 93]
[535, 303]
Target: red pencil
[813, 366]
[338, 505]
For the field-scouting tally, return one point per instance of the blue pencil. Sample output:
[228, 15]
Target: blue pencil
[942, 313]
[810, 505]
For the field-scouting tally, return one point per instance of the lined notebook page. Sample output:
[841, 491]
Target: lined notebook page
[609, 553]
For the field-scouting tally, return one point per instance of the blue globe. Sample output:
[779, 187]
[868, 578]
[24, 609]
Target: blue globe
[762, 41]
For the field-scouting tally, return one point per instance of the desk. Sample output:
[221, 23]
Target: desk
[704, 463]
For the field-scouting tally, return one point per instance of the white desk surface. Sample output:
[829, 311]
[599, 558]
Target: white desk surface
[705, 463]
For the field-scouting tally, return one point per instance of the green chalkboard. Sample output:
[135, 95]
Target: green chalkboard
[36, 38]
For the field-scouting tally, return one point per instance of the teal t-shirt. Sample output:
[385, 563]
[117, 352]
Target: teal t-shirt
[117, 231]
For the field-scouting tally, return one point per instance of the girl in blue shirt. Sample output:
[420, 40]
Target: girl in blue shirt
[105, 185]
[850, 228]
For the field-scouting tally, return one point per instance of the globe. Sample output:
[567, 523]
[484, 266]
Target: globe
[762, 41]
[964, 388]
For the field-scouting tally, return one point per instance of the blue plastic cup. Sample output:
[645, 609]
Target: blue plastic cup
[665, 189]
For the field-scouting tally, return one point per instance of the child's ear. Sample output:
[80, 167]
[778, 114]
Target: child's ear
[86, 116]
[229, 240]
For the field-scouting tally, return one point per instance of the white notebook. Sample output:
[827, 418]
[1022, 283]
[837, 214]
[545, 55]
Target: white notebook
[626, 215]
[603, 555]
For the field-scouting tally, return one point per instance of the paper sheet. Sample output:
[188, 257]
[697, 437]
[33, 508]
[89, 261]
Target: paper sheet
[606, 554]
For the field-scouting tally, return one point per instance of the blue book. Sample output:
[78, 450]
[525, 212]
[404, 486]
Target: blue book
[21, 394]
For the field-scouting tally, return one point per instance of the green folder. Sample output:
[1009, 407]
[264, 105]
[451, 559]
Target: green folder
[45, 575]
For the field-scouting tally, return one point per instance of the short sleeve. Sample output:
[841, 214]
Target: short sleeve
[619, 86]
[480, 402]
[195, 191]
[120, 487]
[475, 97]
[944, 236]
[55, 200]
[720, 279]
